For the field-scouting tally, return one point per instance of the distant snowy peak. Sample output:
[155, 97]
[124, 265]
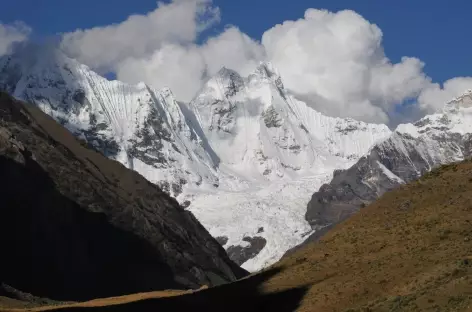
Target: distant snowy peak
[268, 73]
[259, 130]
[464, 100]
[247, 123]
[454, 117]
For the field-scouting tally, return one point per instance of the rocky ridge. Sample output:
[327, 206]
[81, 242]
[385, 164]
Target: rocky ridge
[411, 151]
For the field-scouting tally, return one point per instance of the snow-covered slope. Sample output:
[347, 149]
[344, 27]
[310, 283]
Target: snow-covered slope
[245, 155]
[411, 151]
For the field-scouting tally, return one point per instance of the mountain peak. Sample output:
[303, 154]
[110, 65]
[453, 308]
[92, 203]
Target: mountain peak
[227, 82]
[167, 92]
[463, 100]
[227, 73]
[267, 69]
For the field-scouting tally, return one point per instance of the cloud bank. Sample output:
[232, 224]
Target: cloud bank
[178, 22]
[333, 61]
[12, 34]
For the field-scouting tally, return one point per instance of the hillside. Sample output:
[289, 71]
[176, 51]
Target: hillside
[75, 225]
[408, 251]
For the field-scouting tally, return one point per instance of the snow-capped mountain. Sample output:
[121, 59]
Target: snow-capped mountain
[411, 151]
[281, 149]
[244, 155]
[260, 131]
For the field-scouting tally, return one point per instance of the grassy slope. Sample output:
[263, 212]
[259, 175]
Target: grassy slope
[409, 251]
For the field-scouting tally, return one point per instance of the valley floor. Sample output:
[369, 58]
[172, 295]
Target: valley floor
[409, 251]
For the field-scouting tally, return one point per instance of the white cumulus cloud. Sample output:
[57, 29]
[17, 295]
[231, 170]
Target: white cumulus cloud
[11, 34]
[333, 61]
[336, 62]
[185, 68]
[178, 22]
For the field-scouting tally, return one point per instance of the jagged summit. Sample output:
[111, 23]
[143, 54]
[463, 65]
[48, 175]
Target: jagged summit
[464, 100]
[454, 117]
[226, 72]
[267, 70]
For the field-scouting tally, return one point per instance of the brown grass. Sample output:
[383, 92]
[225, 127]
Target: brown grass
[106, 301]
[409, 251]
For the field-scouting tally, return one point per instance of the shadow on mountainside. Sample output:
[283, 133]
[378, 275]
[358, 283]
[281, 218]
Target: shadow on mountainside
[62, 251]
[75, 225]
[245, 295]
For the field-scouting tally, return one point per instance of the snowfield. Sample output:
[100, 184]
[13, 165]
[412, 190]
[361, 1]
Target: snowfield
[279, 208]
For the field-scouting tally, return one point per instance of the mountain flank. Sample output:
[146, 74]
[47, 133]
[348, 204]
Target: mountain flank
[408, 251]
[75, 225]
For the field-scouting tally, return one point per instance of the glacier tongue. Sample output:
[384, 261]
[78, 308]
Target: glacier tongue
[244, 154]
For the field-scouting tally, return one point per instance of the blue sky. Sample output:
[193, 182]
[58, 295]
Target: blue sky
[339, 62]
[434, 31]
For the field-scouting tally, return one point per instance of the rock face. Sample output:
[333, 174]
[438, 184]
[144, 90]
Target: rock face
[411, 151]
[241, 254]
[75, 225]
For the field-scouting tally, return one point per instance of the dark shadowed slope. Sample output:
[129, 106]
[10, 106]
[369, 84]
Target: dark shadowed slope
[75, 225]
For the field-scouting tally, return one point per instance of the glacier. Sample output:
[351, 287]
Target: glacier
[244, 155]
